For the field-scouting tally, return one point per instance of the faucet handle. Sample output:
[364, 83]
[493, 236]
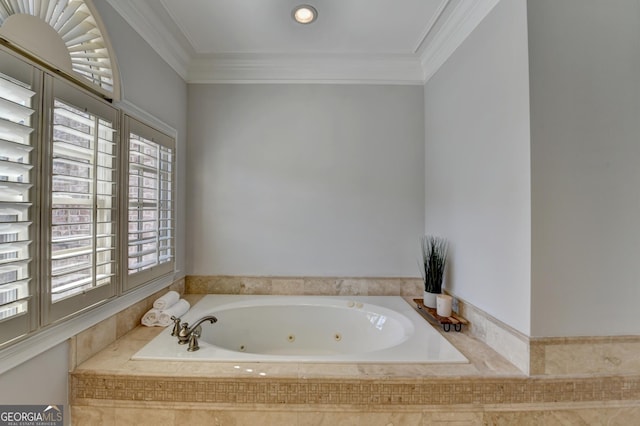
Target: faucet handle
[193, 342]
[183, 334]
[176, 326]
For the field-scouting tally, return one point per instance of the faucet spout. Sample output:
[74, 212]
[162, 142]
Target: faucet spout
[210, 318]
[187, 333]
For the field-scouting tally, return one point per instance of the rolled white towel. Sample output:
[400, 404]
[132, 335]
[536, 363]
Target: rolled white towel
[177, 310]
[151, 318]
[167, 300]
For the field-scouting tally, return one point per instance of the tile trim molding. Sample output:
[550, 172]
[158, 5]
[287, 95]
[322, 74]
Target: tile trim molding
[507, 341]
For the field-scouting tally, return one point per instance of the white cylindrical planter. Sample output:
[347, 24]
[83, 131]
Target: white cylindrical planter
[443, 305]
[429, 299]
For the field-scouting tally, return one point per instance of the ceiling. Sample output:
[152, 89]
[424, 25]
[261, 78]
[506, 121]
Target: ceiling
[258, 26]
[352, 41]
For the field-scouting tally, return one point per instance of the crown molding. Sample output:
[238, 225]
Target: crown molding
[454, 21]
[432, 24]
[306, 68]
[158, 31]
[458, 19]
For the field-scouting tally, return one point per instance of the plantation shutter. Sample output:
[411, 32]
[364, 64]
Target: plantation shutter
[150, 203]
[83, 201]
[19, 99]
[81, 32]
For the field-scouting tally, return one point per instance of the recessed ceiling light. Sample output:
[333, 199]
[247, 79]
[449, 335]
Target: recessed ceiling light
[304, 14]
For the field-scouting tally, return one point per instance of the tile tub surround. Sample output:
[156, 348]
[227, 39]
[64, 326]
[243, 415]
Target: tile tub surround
[533, 356]
[585, 355]
[323, 286]
[110, 388]
[92, 340]
[554, 355]
[508, 342]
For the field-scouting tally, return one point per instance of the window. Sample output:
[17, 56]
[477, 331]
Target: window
[82, 200]
[150, 221]
[19, 98]
[70, 239]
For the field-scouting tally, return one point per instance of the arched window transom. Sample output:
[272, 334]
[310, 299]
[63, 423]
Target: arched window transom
[67, 34]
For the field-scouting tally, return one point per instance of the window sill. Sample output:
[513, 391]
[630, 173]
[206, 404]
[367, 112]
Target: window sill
[40, 342]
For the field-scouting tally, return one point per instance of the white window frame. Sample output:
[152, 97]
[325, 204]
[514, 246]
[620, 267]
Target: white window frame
[57, 88]
[133, 280]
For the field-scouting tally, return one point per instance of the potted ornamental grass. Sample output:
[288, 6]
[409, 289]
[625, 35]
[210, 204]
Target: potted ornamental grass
[434, 261]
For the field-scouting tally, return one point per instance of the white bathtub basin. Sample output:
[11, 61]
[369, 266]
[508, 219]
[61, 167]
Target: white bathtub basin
[377, 329]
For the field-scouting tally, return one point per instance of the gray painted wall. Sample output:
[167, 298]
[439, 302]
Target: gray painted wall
[313, 180]
[585, 155]
[41, 380]
[477, 165]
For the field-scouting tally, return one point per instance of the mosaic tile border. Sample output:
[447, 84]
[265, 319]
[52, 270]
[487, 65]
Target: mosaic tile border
[433, 392]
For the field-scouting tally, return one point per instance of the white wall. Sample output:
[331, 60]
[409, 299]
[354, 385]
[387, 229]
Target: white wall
[585, 126]
[314, 180]
[477, 165]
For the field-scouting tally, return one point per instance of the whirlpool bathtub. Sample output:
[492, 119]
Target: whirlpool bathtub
[341, 329]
